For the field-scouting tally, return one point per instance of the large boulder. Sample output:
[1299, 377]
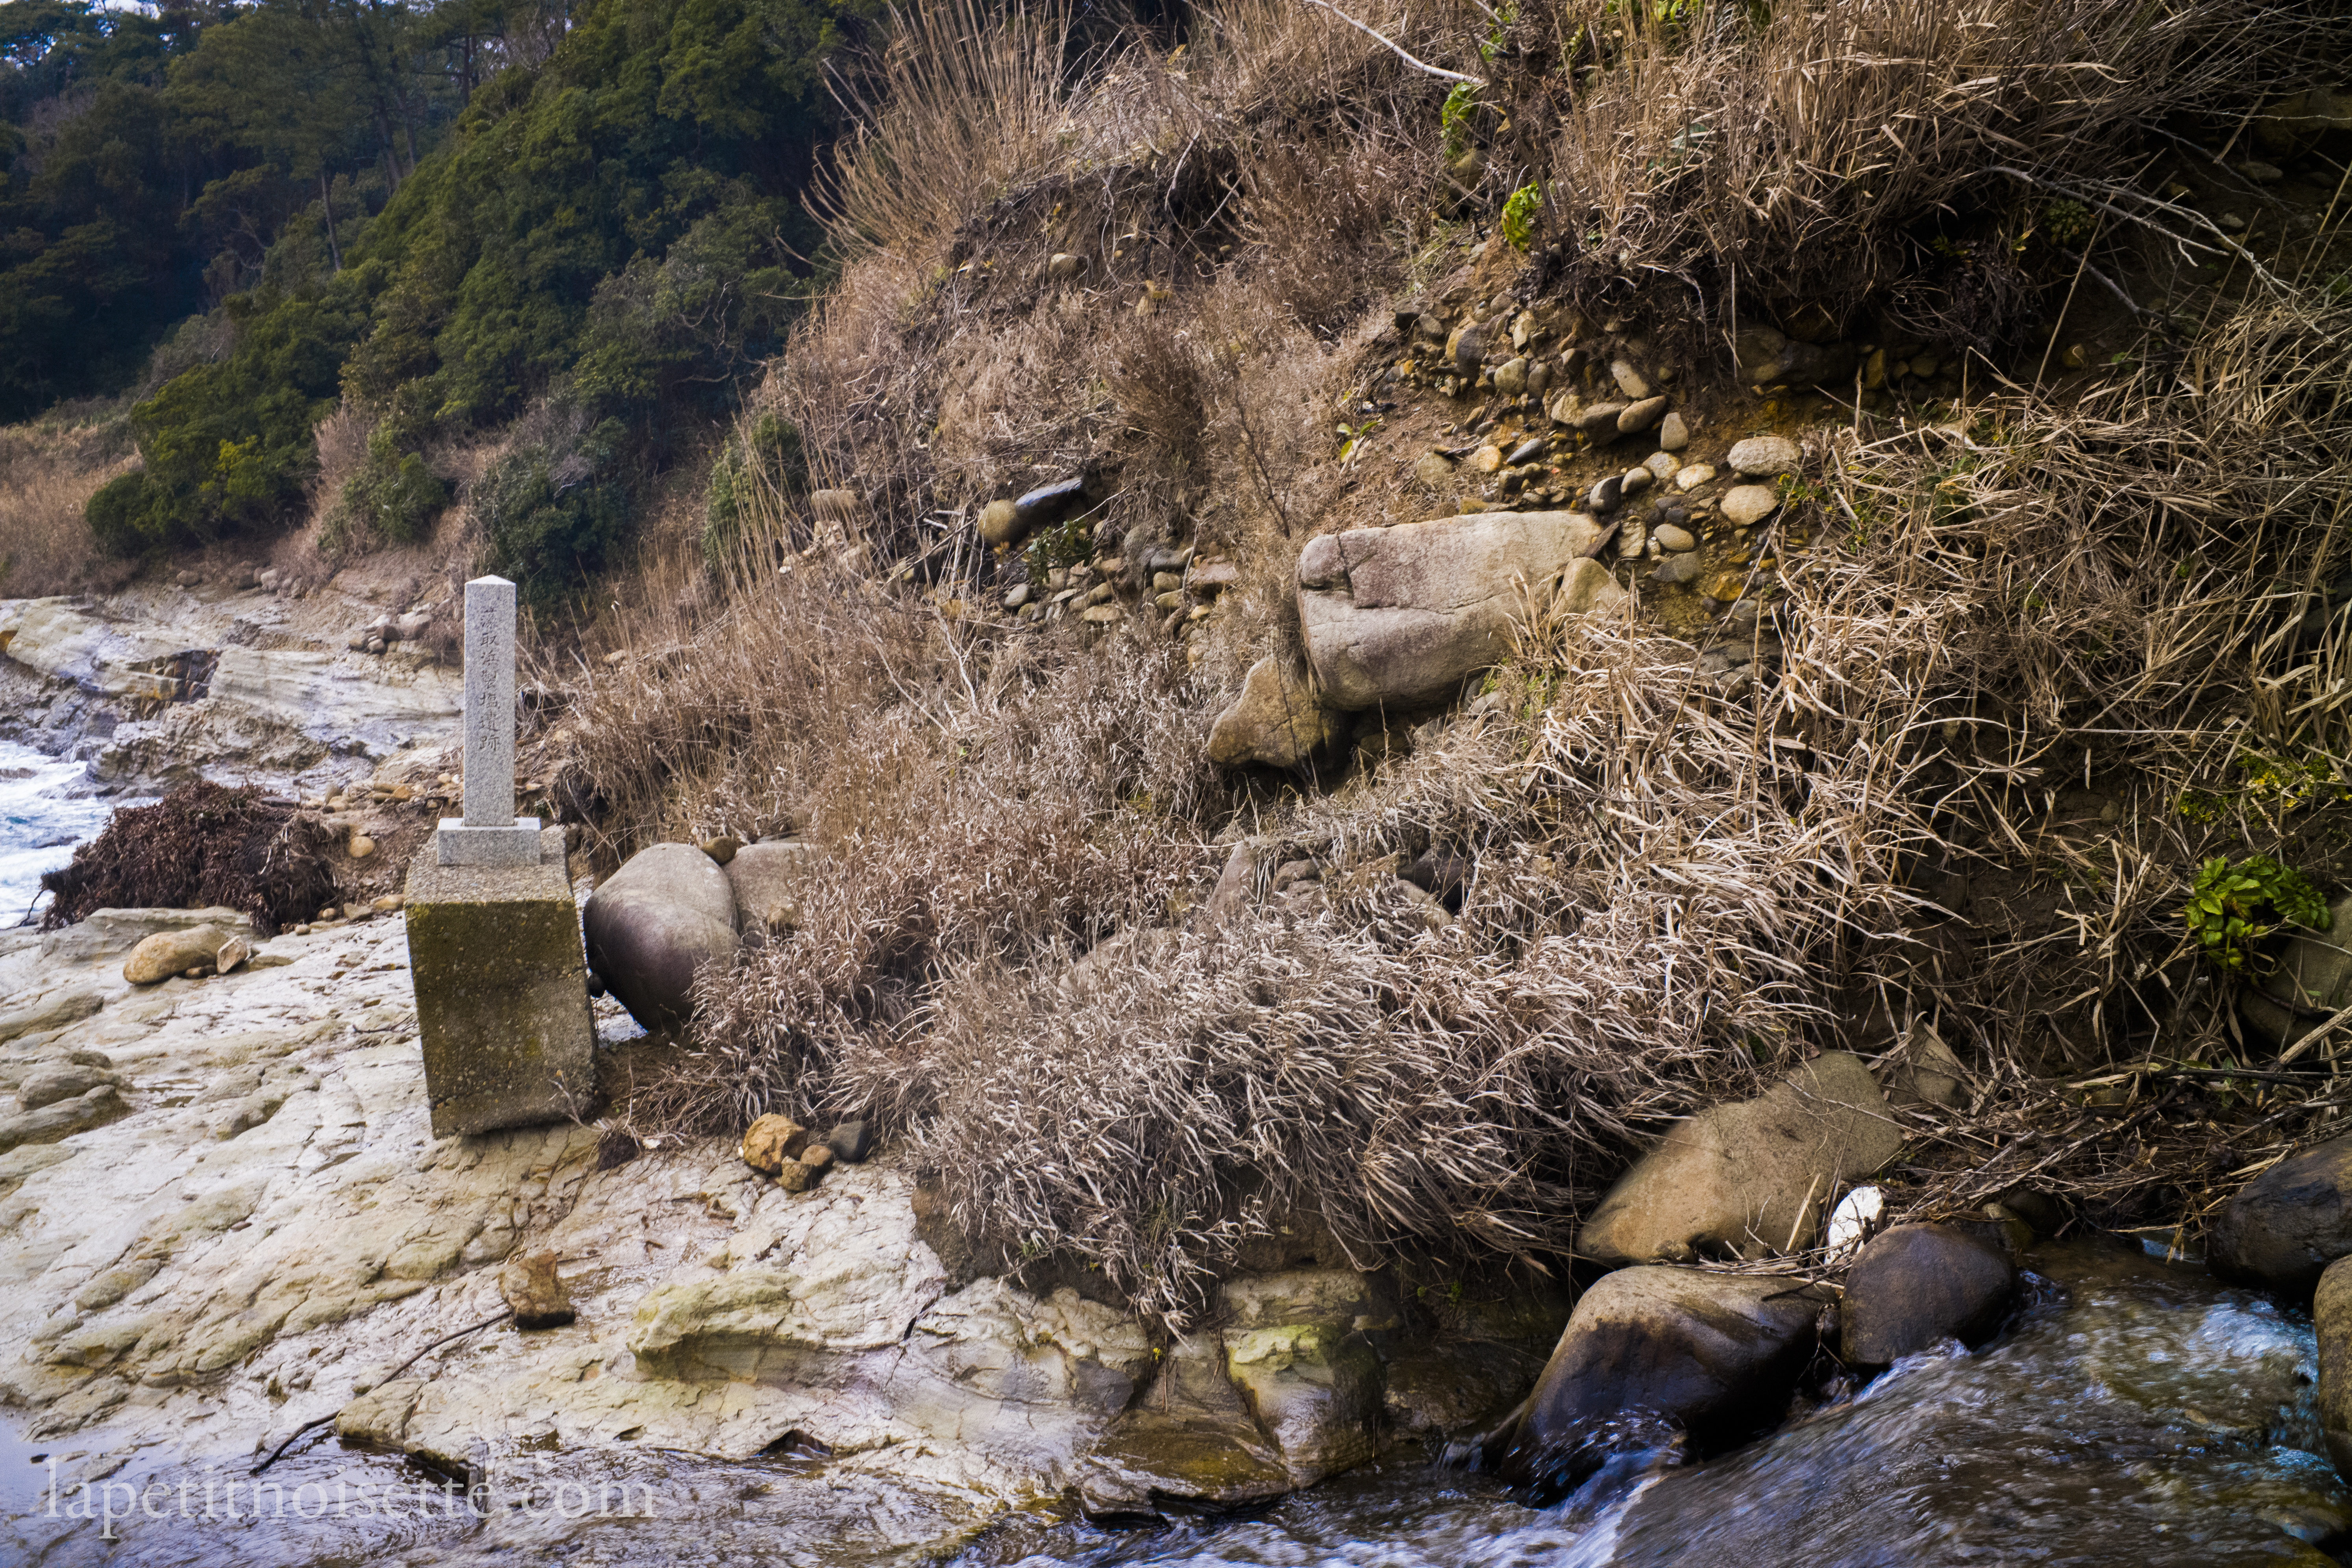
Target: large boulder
[2331, 1317]
[1917, 1285]
[169, 952]
[1398, 616]
[2312, 979]
[2289, 1224]
[766, 880]
[1749, 1179]
[1650, 1352]
[1276, 721]
[1300, 1346]
[654, 921]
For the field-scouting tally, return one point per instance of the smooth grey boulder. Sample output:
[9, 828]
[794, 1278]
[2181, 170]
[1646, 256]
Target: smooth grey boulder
[1752, 1178]
[1650, 1352]
[1916, 1285]
[2313, 978]
[2331, 1319]
[2289, 1224]
[652, 923]
[766, 880]
[1397, 615]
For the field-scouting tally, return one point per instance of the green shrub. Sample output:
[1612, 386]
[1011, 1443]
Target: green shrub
[1519, 217]
[2227, 907]
[122, 517]
[551, 513]
[395, 496]
[770, 458]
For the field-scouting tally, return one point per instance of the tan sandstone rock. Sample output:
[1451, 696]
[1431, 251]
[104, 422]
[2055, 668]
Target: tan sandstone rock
[170, 953]
[1748, 1179]
[1276, 721]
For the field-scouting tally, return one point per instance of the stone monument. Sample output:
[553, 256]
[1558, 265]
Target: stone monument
[493, 932]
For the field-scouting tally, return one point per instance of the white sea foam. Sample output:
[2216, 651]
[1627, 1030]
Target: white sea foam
[40, 823]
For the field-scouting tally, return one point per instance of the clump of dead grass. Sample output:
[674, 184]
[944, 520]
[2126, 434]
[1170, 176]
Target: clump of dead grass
[48, 471]
[1901, 155]
[2138, 596]
[202, 844]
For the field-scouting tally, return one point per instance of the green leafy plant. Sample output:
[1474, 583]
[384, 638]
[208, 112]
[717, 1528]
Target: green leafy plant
[1454, 120]
[2233, 907]
[1520, 216]
[1065, 544]
[2068, 223]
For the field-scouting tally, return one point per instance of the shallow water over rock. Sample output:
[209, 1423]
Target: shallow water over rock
[2140, 1415]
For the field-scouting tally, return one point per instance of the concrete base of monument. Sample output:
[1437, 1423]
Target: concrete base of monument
[502, 992]
[457, 844]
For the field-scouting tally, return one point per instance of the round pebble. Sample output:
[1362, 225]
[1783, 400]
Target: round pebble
[1745, 505]
[1674, 538]
[1762, 456]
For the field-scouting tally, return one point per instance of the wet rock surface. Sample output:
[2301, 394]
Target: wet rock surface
[1916, 1285]
[2290, 1223]
[1651, 1352]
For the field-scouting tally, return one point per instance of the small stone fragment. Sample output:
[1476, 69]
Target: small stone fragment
[362, 847]
[850, 1142]
[1630, 381]
[1599, 421]
[770, 1144]
[1673, 538]
[795, 1177]
[1697, 474]
[722, 849]
[537, 1297]
[233, 951]
[1639, 417]
[816, 1156]
[1673, 434]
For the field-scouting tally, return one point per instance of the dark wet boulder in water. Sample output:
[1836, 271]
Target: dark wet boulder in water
[1918, 1284]
[1650, 1352]
[652, 923]
[2290, 1223]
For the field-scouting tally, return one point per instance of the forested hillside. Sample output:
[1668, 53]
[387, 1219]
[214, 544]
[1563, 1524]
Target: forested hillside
[437, 215]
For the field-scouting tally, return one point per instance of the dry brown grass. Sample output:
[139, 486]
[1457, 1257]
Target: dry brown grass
[1901, 153]
[2139, 594]
[48, 471]
[1672, 891]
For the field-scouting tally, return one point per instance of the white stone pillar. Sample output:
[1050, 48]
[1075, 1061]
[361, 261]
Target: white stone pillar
[489, 702]
[489, 834]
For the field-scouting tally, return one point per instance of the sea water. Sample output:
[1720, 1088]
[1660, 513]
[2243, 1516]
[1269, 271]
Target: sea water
[41, 820]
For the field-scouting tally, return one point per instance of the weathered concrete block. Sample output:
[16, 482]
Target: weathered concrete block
[502, 992]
